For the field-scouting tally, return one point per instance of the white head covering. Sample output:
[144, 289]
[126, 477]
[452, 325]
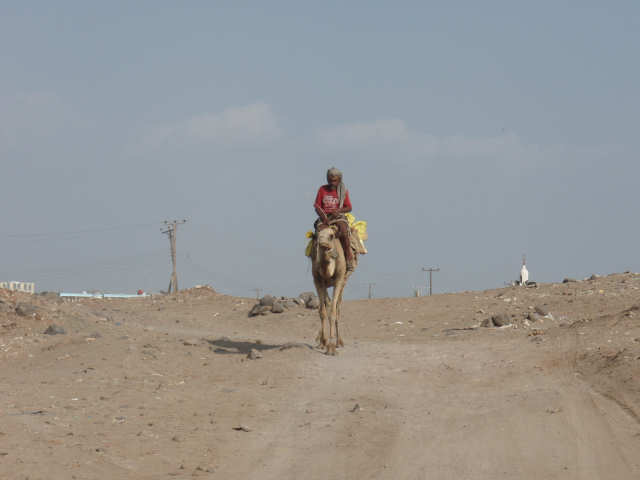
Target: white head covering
[342, 189]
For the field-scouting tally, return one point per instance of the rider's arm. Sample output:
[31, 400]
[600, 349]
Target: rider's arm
[322, 215]
[318, 206]
[346, 205]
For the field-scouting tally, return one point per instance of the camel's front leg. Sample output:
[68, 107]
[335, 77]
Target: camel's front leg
[333, 330]
[322, 337]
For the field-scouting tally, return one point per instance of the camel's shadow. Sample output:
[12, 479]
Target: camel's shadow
[226, 346]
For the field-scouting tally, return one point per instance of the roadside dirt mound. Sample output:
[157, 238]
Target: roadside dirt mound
[199, 291]
[609, 356]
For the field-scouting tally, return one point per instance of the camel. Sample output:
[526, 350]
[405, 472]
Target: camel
[329, 269]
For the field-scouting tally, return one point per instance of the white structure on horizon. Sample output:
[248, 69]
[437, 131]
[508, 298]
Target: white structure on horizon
[26, 287]
[524, 273]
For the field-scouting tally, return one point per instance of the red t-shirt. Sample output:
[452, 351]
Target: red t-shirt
[328, 200]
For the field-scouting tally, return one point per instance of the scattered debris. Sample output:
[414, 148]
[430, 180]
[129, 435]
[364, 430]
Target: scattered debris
[453, 331]
[501, 320]
[305, 296]
[313, 303]
[267, 301]
[541, 310]
[289, 345]
[31, 412]
[254, 354]
[497, 320]
[198, 291]
[259, 310]
[242, 428]
[5, 307]
[310, 300]
[54, 329]
[270, 304]
[534, 317]
[26, 310]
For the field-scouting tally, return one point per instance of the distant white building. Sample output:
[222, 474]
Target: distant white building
[25, 287]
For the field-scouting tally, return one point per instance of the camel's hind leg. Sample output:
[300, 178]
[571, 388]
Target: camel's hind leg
[322, 337]
[339, 342]
[338, 292]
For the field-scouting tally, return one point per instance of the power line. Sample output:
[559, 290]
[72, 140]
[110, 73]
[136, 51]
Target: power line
[76, 232]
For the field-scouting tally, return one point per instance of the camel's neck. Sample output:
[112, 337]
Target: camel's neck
[327, 265]
[326, 262]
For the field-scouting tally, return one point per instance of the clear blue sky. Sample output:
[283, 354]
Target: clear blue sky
[469, 133]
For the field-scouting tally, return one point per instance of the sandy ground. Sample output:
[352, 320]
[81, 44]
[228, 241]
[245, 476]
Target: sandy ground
[163, 388]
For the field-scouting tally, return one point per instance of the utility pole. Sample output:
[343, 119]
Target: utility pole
[371, 285]
[430, 270]
[258, 291]
[172, 228]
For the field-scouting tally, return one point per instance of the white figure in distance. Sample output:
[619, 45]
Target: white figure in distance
[524, 273]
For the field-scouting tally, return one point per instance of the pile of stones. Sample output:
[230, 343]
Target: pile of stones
[519, 320]
[270, 304]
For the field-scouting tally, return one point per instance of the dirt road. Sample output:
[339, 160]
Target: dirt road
[442, 410]
[163, 388]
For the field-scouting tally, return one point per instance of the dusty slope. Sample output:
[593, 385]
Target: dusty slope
[149, 389]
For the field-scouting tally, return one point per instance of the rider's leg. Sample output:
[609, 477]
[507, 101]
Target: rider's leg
[343, 232]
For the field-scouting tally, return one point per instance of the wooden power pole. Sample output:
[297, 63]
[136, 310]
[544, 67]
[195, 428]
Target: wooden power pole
[430, 270]
[172, 228]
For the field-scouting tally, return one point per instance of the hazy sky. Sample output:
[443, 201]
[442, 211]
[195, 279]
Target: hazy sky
[469, 133]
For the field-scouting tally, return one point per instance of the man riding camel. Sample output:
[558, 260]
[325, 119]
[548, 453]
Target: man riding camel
[332, 202]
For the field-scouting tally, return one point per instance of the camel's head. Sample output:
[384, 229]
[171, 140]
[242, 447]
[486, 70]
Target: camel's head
[326, 237]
